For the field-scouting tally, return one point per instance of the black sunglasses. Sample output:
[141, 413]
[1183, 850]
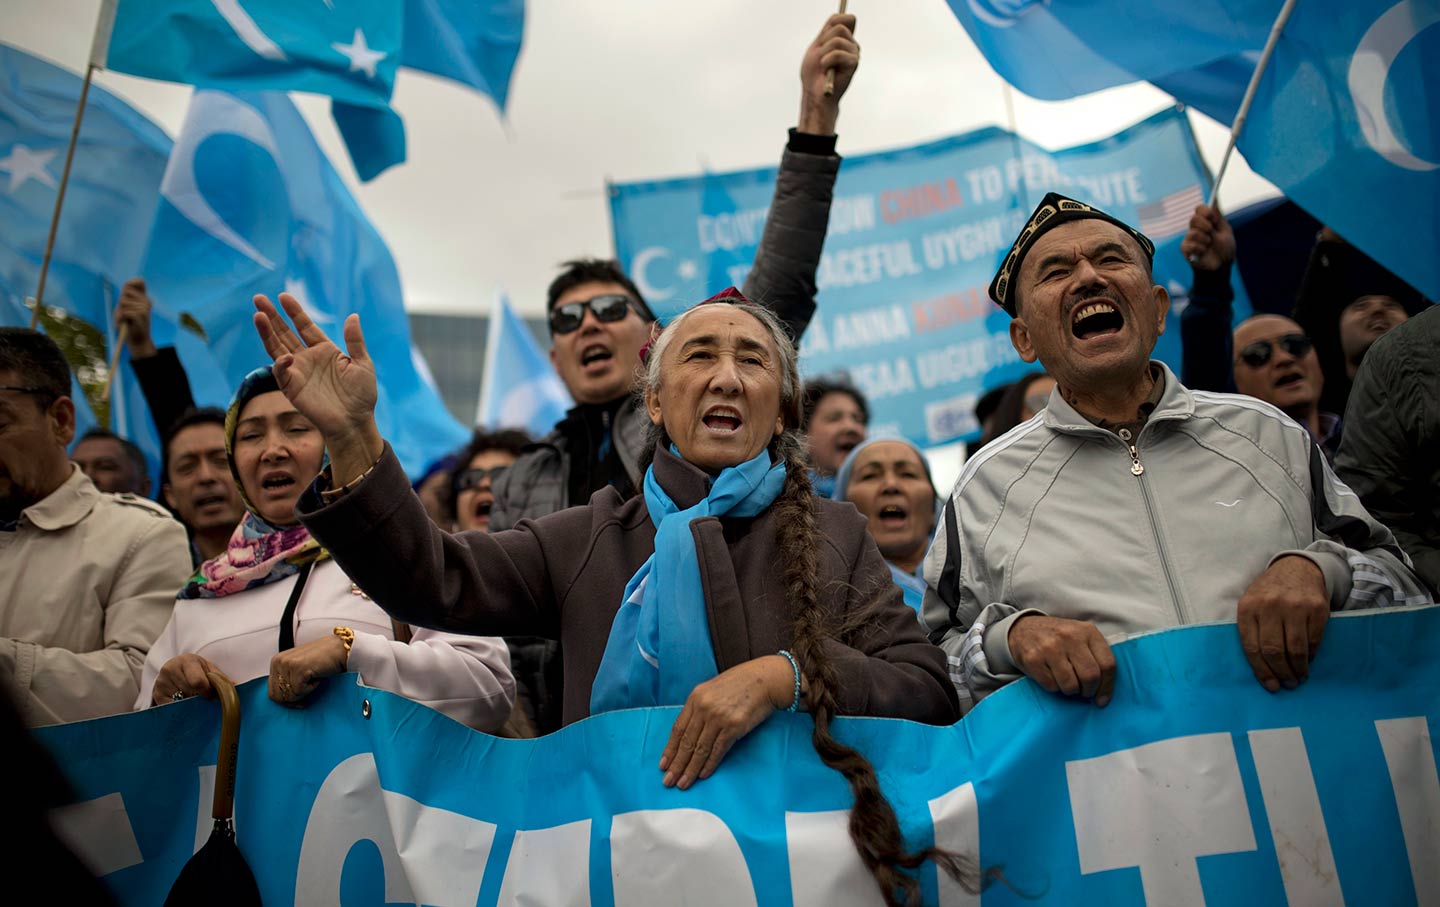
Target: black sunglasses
[1258, 353]
[610, 307]
[471, 478]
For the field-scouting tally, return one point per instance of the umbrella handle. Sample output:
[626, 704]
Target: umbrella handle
[224, 806]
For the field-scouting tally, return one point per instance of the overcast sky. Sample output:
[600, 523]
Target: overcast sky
[633, 90]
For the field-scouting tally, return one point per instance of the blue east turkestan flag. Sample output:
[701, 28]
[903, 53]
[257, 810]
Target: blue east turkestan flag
[1347, 124]
[350, 51]
[250, 204]
[519, 388]
[109, 207]
[473, 42]
[110, 202]
[1200, 51]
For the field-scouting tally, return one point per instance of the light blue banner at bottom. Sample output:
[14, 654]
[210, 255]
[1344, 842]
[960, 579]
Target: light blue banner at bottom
[1193, 786]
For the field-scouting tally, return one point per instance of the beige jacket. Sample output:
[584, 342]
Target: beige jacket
[87, 581]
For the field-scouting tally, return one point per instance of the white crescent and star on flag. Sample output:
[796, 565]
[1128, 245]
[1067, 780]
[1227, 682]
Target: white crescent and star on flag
[1370, 70]
[25, 164]
[685, 269]
[1002, 13]
[362, 58]
[179, 186]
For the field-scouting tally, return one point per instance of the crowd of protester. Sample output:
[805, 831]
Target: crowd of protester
[705, 529]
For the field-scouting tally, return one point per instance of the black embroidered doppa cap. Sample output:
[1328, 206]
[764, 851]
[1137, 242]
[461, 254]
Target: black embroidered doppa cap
[1054, 210]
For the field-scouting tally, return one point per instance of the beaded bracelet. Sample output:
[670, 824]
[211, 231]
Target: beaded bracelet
[795, 666]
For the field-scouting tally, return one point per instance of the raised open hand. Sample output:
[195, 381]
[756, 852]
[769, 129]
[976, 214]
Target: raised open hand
[334, 390]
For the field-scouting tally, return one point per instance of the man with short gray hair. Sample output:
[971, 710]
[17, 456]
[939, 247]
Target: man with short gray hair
[87, 579]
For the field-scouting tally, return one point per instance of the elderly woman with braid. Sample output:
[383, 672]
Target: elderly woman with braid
[726, 586]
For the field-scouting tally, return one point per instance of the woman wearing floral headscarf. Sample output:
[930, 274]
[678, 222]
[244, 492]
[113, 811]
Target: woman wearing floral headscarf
[274, 602]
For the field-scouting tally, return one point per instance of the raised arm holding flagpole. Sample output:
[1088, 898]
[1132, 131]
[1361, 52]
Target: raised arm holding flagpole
[1249, 98]
[1209, 209]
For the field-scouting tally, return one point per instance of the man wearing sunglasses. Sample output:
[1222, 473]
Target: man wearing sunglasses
[1276, 362]
[599, 320]
[1346, 302]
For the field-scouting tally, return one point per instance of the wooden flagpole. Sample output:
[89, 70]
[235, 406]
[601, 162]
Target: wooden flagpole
[120, 340]
[99, 48]
[60, 196]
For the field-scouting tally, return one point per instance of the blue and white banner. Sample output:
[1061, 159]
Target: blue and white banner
[1193, 786]
[915, 237]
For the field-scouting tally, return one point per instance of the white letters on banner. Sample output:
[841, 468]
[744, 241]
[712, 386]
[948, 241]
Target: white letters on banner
[549, 866]
[1155, 808]
[347, 809]
[956, 816]
[99, 833]
[1410, 758]
[1159, 807]
[677, 856]
[825, 870]
[1297, 826]
[439, 858]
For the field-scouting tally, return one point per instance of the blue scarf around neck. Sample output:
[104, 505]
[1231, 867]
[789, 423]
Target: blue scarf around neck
[659, 647]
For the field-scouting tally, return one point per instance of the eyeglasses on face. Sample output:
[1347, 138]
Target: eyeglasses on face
[1258, 353]
[472, 478]
[46, 397]
[609, 307]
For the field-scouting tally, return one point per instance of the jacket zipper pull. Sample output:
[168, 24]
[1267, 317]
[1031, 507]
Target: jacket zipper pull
[1136, 467]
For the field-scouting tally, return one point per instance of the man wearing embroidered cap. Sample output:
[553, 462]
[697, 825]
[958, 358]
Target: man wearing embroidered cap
[1132, 503]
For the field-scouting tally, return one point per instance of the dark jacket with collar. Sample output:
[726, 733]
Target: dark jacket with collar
[563, 576]
[782, 279]
[1390, 454]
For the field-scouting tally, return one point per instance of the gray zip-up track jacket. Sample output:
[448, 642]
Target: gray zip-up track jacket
[1061, 517]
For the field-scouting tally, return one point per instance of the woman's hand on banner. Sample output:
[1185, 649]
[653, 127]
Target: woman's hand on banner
[719, 712]
[182, 677]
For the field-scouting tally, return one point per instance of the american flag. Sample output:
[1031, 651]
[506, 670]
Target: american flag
[1171, 215]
